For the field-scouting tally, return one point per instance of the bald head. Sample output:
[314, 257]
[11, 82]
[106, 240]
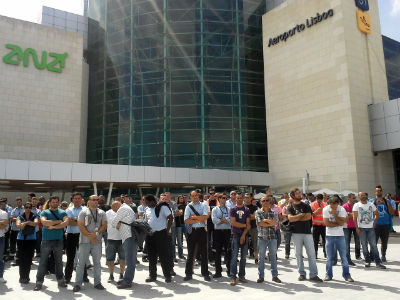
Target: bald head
[116, 205]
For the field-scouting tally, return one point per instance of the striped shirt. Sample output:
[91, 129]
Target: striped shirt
[126, 215]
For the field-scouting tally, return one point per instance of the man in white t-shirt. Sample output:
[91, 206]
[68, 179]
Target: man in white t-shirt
[114, 243]
[365, 216]
[3, 226]
[334, 217]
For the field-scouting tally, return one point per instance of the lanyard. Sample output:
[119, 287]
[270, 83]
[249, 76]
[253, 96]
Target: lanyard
[223, 212]
[94, 218]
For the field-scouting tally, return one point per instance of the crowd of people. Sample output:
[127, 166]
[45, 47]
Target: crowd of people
[219, 229]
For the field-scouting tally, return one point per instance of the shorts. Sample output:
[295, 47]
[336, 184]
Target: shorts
[114, 247]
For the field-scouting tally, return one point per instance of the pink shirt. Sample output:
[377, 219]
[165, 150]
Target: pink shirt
[349, 208]
[276, 209]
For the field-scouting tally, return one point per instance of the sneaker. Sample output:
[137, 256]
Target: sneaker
[207, 278]
[187, 278]
[233, 282]
[380, 266]
[259, 280]
[217, 275]
[2, 280]
[383, 259]
[123, 285]
[349, 279]
[38, 287]
[111, 278]
[302, 277]
[76, 288]
[99, 286]
[316, 279]
[151, 279]
[243, 280]
[367, 265]
[327, 278]
[351, 263]
[276, 279]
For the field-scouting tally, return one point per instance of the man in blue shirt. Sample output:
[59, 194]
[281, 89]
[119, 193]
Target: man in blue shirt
[196, 213]
[73, 234]
[382, 227]
[54, 220]
[222, 234]
[16, 212]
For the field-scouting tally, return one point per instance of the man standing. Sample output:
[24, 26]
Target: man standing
[383, 224]
[54, 220]
[266, 220]
[92, 223]
[318, 223]
[73, 234]
[253, 230]
[334, 218]
[3, 226]
[195, 215]
[16, 212]
[240, 220]
[212, 202]
[114, 243]
[232, 200]
[124, 217]
[350, 229]
[363, 216]
[299, 215]
[160, 220]
[222, 234]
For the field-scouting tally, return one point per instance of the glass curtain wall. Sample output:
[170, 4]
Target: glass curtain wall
[177, 83]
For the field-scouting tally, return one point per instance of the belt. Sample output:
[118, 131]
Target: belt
[198, 228]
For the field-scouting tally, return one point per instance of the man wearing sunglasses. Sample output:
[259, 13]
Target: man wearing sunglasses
[222, 234]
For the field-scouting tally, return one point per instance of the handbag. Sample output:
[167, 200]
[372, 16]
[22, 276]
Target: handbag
[28, 229]
[286, 226]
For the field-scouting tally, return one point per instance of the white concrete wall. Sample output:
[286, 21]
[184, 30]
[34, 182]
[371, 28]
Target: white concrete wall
[318, 87]
[41, 115]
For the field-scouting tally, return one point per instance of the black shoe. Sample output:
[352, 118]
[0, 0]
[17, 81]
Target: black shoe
[85, 279]
[76, 288]
[99, 286]
[207, 278]
[168, 279]
[62, 284]
[351, 263]
[111, 278]
[358, 257]
[217, 275]
[383, 259]
[187, 278]
[24, 280]
[316, 279]
[380, 266]
[151, 279]
[67, 281]
[367, 265]
[182, 257]
[173, 273]
[38, 287]
[124, 285]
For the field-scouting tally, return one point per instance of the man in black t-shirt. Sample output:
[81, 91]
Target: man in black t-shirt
[253, 230]
[299, 215]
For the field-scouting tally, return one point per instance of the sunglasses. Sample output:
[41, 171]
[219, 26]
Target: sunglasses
[212, 193]
[28, 207]
[265, 201]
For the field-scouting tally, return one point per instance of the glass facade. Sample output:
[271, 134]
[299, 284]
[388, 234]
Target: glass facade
[391, 50]
[177, 83]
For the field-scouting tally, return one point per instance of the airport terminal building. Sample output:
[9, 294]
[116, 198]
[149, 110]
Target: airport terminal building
[181, 94]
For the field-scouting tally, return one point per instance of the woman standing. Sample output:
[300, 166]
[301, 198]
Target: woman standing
[26, 241]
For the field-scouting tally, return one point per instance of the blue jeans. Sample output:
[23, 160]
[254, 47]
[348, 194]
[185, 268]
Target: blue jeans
[85, 250]
[262, 249]
[1, 256]
[235, 252]
[338, 243]
[368, 237]
[306, 240]
[177, 236]
[55, 246]
[130, 249]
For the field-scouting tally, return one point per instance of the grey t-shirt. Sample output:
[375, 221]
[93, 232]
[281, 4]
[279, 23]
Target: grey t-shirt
[92, 220]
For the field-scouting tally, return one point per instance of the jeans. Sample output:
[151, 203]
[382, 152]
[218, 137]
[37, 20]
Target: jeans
[338, 243]
[347, 235]
[2, 243]
[86, 249]
[382, 232]
[288, 237]
[262, 249]
[178, 239]
[306, 240]
[368, 237]
[26, 249]
[235, 252]
[56, 247]
[130, 249]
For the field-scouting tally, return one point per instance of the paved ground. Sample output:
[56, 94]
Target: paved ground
[369, 283]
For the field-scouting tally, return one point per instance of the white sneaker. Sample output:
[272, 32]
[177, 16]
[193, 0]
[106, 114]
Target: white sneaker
[2, 280]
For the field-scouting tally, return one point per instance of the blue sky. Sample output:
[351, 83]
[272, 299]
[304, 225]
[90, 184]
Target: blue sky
[31, 10]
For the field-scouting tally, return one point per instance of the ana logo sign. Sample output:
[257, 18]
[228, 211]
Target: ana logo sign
[16, 54]
[363, 21]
